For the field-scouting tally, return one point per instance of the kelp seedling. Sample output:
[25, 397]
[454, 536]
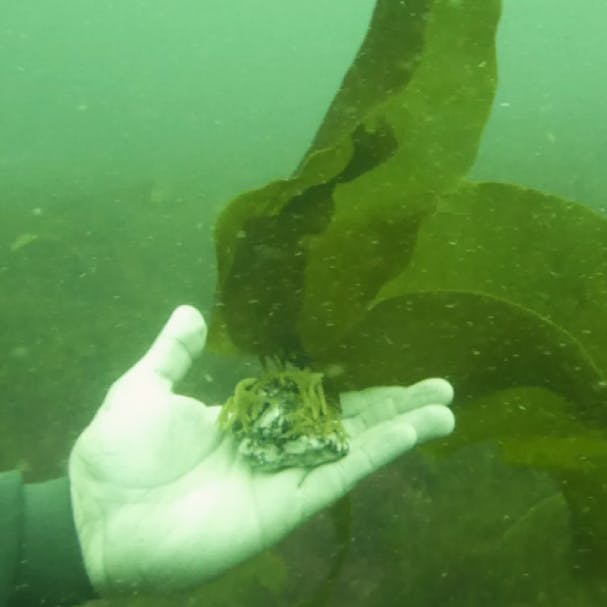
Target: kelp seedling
[283, 419]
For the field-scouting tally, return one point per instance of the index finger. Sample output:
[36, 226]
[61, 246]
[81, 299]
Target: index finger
[384, 402]
[179, 342]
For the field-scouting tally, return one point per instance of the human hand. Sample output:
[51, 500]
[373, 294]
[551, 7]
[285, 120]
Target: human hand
[163, 501]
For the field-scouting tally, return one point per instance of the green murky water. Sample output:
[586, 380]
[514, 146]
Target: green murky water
[126, 127]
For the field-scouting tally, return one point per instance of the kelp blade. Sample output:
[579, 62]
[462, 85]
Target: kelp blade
[286, 252]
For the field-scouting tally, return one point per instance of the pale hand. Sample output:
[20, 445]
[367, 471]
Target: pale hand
[162, 500]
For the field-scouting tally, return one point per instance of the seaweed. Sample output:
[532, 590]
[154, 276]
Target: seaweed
[283, 419]
[380, 262]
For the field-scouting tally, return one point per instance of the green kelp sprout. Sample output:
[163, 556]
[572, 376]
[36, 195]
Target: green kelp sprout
[282, 419]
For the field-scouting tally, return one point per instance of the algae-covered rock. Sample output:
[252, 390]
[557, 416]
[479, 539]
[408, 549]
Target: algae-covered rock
[283, 419]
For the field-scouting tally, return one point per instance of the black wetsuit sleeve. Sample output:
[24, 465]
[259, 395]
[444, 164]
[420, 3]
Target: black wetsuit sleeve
[11, 507]
[40, 558]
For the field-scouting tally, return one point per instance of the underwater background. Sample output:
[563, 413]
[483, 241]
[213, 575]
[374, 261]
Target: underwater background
[126, 127]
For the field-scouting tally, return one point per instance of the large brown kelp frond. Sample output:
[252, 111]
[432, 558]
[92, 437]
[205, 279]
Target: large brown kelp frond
[379, 263]
[405, 125]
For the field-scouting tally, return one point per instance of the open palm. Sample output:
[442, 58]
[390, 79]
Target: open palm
[162, 499]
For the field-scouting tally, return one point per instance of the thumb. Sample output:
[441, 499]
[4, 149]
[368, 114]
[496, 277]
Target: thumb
[179, 342]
